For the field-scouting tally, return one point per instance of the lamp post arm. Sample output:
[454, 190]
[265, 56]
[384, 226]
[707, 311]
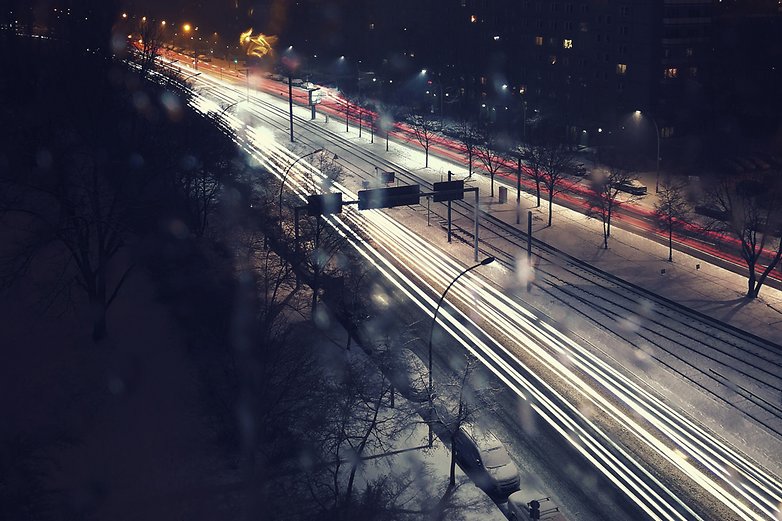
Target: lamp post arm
[657, 157]
[484, 262]
[285, 176]
[431, 334]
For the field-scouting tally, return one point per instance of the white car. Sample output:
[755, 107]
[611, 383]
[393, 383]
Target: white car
[485, 459]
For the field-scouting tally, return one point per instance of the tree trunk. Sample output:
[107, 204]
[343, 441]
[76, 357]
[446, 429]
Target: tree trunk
[752, 291]
[98, 309]
[550, 205]
[670, 243]
[491, 176]
[469, 162]
[452, 475]
[426, 153]
[537, 191]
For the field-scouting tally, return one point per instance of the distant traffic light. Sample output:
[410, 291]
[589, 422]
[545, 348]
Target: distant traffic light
[534, 509]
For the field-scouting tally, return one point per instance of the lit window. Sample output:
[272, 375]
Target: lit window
[666, 132]
[538, 40]
[567, 44]
[671, 72]
[689, 51]
[621, 69]
[371, 26]
[523, 89]
[473, 18]
[552, 59]
[693, 71]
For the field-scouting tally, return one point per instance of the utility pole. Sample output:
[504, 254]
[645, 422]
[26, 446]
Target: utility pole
[449, 211]
[290, 100]
[529, 251]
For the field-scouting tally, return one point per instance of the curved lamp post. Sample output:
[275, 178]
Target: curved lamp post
[285, 176]
[484, 262]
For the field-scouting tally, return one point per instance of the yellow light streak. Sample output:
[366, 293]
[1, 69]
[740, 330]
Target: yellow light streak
[259, 45]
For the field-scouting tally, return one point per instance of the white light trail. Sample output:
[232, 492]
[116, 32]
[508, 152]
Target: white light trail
[725, 474]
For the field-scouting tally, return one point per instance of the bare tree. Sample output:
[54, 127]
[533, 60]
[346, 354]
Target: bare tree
[84, 217]
[424, 128]
[557, 160]
[331, 171]
[151, 33]
[355, 422]
[671, 210]
[473, 399]
[489, 153]
[606, 187]
[203, 176]
[469, 135]
[754, 217]
[535, 157]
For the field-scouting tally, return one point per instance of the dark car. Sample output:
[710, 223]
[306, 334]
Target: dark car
[485, 459]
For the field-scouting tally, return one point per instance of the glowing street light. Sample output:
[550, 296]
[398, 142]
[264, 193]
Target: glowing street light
[186, 28]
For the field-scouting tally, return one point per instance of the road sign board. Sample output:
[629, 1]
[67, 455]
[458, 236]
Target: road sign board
[315, 96]
[324, 204]
[389, 197]
[448, 191]
[387, 177]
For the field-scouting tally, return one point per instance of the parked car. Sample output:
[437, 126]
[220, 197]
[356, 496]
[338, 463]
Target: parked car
[710, 211]
[578, 170]
[519, 506]
[297, 82]
[633, 186]
[485, 459]
[278, 77]
[407, 373]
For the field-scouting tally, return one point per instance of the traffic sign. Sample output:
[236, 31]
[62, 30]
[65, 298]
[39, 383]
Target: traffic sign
[387, 177]
[448, 191]
[389, 197]
[324, 204]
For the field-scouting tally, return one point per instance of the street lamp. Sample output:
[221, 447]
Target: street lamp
[639, 114]
[484, 262]
[424, 73]
[285, 176]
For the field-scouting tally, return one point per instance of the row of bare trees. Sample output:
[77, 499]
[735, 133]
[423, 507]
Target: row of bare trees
[746, 209]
